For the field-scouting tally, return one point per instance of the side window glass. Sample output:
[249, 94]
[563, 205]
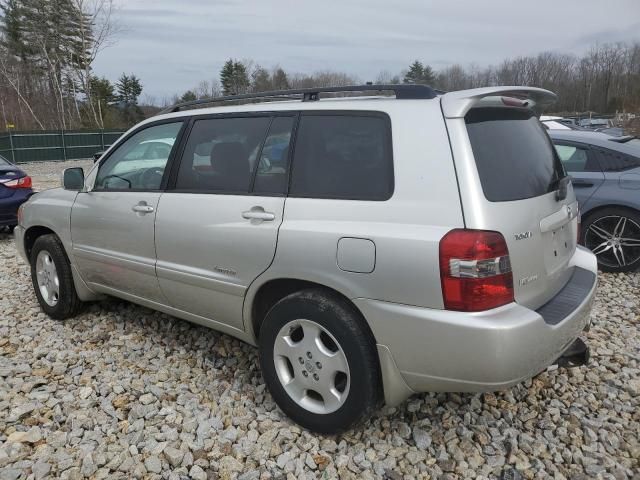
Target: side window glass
[139, 163]
[271, 176]
[343, 157]
[221, 154]
[573, 158]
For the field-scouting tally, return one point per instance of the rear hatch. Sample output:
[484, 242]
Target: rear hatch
[512, 182]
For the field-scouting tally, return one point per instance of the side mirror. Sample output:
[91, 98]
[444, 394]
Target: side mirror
[73, 179]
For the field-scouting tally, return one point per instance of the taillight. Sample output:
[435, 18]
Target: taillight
[24, 182]
[475, 270]
[579, 225]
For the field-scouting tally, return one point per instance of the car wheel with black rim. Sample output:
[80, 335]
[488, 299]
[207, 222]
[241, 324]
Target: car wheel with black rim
[319, 361]
[52, 278]
[613, 234]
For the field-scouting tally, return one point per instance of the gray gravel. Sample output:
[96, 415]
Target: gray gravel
[124, 392]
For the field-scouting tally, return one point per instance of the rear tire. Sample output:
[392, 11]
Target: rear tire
[319, 361]
[613, 234]
[52, 278]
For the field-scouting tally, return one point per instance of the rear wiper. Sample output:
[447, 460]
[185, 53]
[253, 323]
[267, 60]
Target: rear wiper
[560, 186]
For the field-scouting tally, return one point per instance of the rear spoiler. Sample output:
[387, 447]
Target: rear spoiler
[457, 104]
[624, 139]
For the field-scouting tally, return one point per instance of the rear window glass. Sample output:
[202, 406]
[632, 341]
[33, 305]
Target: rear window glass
[343, 157]
[513, 153]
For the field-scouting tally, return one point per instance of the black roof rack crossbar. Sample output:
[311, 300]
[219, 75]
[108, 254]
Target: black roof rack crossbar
[402, 91]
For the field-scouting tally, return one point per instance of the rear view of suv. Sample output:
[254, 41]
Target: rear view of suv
[371, 247]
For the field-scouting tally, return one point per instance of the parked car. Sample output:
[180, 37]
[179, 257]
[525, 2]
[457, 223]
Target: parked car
[15, 189]
[558, 123]
[553, 122]
[606, 178]
[426, 242]
[595, 123]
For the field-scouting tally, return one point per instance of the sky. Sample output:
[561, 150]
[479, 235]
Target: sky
[172, 45]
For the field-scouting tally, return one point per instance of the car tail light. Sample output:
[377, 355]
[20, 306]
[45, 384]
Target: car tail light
[579, 225]
[475, 270]
[24, 182]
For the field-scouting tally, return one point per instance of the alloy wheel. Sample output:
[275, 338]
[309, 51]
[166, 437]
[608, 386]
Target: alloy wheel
[311, 366]
[615, 240]
[47, 277]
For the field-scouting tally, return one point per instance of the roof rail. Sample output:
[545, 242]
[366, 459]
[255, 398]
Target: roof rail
[402, 91]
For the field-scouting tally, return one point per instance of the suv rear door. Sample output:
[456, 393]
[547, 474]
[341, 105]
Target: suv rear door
[509, 175]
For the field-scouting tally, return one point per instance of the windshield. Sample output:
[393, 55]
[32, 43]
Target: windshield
[513, 153]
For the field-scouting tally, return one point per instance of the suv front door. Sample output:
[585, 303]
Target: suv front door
[217, 229]
[112, 224]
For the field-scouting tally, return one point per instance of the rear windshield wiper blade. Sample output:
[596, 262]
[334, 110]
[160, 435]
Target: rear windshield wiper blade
[560, 186]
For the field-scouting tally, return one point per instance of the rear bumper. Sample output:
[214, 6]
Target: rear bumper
[9, 206]
[439, 350]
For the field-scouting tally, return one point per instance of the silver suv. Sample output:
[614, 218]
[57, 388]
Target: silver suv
[371, 247]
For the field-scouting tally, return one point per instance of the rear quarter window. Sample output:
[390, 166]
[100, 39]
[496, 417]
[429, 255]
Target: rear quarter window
[343, 156]
[613, 161]
[513, 153]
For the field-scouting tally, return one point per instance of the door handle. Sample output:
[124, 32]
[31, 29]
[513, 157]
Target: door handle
[258, 213]
[581, 183]
[142, 208]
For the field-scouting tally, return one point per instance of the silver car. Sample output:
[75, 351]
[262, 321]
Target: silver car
[371, 247]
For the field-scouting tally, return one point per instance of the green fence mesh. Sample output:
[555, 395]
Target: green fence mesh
[55, 145]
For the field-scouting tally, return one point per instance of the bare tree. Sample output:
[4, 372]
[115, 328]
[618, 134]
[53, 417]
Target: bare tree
[97, 31]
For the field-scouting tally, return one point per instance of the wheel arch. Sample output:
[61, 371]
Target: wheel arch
[266, 295]
[31, 234]
[271, 291]
[596, 209]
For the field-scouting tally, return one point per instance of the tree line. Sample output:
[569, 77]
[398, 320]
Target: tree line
[48, 49]
[606, 79]
[47, 52]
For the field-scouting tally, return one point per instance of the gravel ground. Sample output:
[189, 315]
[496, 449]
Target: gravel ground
[124, 392]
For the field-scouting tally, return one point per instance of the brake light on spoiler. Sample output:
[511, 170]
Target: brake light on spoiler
[475, 270]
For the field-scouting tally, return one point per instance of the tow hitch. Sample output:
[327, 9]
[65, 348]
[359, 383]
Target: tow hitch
[575, 356]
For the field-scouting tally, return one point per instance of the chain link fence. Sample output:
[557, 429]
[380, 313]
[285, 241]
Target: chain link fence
[55, 145]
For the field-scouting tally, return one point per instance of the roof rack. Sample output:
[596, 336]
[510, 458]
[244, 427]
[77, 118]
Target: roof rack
[402, 91]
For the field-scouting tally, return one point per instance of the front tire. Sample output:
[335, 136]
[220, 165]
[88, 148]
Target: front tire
[319, 361]
[52, 278]
[613, 234]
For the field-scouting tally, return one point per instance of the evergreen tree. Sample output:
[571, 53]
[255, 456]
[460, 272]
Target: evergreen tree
[234, 78]
[419, 73]
[129, 89]
[428, 76]
[414, 74]
[279, 79]
[260, 80]
[188, 96]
